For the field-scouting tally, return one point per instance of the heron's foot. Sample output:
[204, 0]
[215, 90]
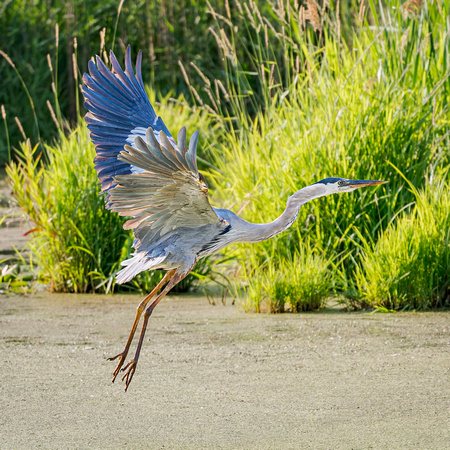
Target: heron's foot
[129, 370]
[122, 357]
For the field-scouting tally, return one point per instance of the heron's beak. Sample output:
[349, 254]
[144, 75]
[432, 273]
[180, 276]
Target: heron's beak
[364, 183]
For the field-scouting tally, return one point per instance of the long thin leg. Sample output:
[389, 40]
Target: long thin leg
[130, 368]
[139, 311]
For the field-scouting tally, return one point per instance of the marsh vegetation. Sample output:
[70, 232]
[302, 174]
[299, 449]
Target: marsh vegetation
[285, 94]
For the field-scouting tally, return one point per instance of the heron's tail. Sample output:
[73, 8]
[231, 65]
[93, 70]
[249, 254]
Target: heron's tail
[138, 263]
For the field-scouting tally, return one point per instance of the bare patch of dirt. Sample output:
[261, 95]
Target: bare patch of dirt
[214, 377]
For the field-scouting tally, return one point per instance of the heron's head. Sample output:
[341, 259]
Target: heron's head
[336, 185]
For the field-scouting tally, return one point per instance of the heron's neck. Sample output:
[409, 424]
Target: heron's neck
[261, 232]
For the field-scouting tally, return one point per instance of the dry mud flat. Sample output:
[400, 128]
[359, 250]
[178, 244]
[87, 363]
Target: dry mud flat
[214, 377]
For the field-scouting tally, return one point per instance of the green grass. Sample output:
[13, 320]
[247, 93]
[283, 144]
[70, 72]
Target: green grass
[285, 281]
[408, 268]
[166, 30]
[282, 103]
[357, 113]
[75, 241]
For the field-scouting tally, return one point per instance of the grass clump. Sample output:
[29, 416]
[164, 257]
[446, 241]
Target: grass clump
[295, 282]
[409, 266]
[75, 242]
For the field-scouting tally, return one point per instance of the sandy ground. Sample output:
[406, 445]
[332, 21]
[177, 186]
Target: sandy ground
[215, 377]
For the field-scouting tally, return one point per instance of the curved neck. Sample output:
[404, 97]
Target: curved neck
[261, 232]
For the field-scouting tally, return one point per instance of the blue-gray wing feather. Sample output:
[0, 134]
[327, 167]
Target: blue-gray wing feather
[117, 105]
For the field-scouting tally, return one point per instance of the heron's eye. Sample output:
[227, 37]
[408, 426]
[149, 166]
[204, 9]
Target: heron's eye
[340, 183]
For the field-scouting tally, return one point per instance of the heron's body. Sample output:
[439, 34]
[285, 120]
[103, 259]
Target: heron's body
[187, 244]
[153, 179]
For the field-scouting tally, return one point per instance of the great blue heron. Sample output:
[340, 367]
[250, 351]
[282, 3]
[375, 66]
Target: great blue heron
[150, 177]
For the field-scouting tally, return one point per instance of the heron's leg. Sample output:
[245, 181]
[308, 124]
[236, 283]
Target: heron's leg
[139, 311]
[131, 366]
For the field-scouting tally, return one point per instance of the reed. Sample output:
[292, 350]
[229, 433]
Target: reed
[166, 30]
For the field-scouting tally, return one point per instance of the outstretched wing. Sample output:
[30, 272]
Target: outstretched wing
[153, 180]
[168, 194]
[119, 111]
